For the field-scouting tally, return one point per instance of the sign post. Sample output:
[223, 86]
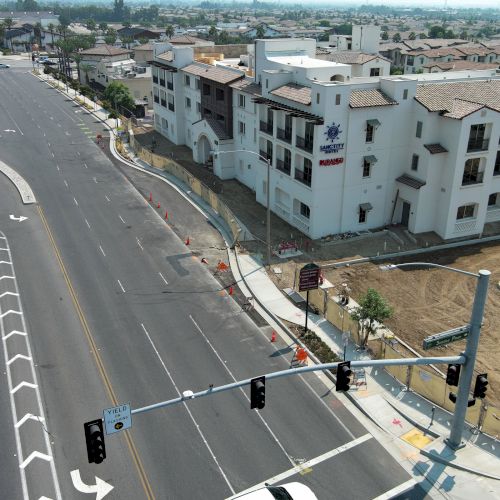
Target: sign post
[308, 280]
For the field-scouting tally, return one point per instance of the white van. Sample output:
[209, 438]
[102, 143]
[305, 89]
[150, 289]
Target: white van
[289, 491]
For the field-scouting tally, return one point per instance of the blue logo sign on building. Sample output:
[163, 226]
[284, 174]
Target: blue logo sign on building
[332, 133]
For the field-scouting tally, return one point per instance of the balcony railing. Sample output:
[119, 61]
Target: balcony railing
[170, 85]
[162, 82]
[264, 156]
[283, 167]
[306, 145]
[477, 145]
[300, 176]
[469, 179]
[266, 127]
[284, 135]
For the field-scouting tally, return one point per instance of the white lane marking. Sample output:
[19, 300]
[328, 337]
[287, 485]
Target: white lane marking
[28, 416]
[53, 155]
[121, 286]
[95, 180]
[36, 454]
[100, 248]
[44, 134]
[19, 219]
[163, 278]
[10, 311]
[107, 198]
[78, 153]
[48, 144]
[214, 458]
[398, 490]
[15, 123]
[23, 384]
[9, 293]
[101, 488]
[308, 464]
[87, 222]
[273, 435]
[85, 165]
[66, 184]
[6, 261]
[121, 218]
[76, 203]
[139, 243]
[6, 277]
[57, 166]
[14, 332]
[18, 356]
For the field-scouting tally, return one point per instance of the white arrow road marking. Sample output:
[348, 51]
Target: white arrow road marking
[19, 219]
[35, 454]
[101, 488]
[28, 416]
[9, 130]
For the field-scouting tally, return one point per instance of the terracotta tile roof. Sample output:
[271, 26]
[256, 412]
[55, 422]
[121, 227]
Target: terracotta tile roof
[218, 129]
[435, 148]
[350, 57]
[186, 40]
[370, 98]
[215, 73]
[105, 50]
[248, 86]
[458, 99]
[410, 181]
[460, 65]
[294, 92]
[166, 56]
[432, 53]
[144, 46]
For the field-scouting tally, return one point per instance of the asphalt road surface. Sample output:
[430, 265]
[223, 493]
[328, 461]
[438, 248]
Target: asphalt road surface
[119, 310]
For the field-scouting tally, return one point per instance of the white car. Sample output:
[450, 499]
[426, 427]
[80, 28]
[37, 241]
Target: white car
[289, 491]
[4, 66]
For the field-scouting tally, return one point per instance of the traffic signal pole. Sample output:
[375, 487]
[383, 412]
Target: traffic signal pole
[457, 426]
[189, 395]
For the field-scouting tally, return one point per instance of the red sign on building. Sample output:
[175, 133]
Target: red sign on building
[331, 162]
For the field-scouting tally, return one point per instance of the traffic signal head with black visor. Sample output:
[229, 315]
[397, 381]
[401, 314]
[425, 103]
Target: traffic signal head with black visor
[258, 392]
[344, 373]
[94, 437]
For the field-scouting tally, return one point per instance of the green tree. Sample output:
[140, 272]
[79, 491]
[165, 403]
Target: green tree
[91, 25]
[51, 27]
[169, 31]
[103, 26]
[86, 68]
[212, 33]
[412, 36]
[111, 36]
[119, 95]
[260, 32]
[371, 312]
[384, 35]
[396, 37]
[436, 32]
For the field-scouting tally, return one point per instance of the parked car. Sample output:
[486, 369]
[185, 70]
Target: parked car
[4, 66]
[289, 491]
[49, 63]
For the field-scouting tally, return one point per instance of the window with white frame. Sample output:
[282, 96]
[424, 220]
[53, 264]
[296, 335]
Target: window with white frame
[241, 128]
[305, 211]
[188, 102]
[370, 132]
[241, 101]
[414, 162]
[493, 201]
[187, 80]
[466, 211]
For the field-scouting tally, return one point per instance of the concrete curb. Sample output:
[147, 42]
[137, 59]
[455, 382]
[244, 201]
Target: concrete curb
[27, 195]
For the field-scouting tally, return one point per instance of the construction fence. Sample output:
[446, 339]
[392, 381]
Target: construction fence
[424, 380]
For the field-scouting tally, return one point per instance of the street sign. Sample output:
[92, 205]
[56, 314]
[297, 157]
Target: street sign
[446, 337]
[117, 419]
[309, 277]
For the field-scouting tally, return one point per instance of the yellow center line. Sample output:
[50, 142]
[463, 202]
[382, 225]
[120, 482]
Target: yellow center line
[98, 360]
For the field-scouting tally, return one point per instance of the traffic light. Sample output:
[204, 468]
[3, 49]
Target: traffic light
[343, 373]
[453, 374]
[258, 392]
[94, 436]
[481, 385]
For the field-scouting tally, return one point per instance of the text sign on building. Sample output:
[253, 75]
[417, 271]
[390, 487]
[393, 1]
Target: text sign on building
[330, 162]
[446, 337]
[309, 277]
[117, 419]
[332, 134]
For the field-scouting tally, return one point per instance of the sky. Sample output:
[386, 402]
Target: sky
[413, 3]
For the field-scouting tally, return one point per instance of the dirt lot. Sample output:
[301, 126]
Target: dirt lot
[430, 301]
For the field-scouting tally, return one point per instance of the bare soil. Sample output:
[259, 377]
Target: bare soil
[430, 301]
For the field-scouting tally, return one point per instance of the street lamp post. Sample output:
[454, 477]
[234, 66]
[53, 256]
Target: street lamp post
[268, 196]
[454, 441]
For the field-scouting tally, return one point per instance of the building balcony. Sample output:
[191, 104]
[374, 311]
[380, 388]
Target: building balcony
[301, 177]
[266, 127]
[264, 156]
[304, 144]
[469, 180]
[475, 145]
[283, 167]
[284, 135]
[162, 82]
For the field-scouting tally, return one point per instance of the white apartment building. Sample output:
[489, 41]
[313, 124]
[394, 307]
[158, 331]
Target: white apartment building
[345, 154]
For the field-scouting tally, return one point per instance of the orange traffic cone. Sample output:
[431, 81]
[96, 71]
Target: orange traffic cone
[230, 290]
[187, 242]
[166, 215]
[158, 206]
[273, 336]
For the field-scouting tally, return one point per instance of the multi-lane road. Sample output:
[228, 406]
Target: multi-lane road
[116, 309]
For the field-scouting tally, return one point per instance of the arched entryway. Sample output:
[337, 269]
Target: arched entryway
[204, 150]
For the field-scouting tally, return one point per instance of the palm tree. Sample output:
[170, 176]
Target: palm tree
[78, 59]
[169, 31]
[86, 68]
[8, 22]
[51, 27]
[260, 32]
